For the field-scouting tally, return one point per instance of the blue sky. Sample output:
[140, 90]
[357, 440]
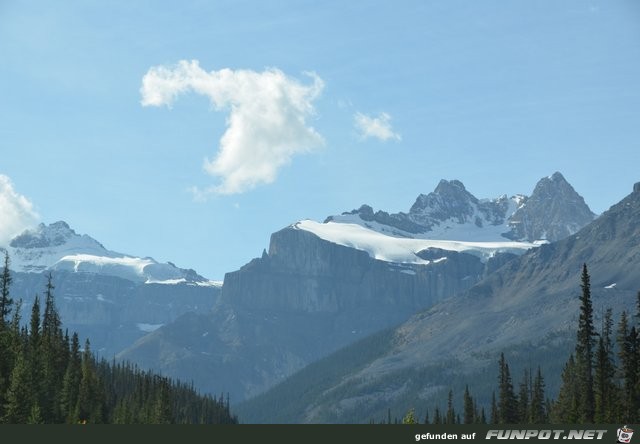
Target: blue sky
[285, 110]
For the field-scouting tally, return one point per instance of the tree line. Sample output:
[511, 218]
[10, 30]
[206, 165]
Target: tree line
[600, 380]
[47, 377]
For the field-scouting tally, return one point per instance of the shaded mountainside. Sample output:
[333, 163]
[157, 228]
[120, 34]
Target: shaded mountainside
[302, 300]
[110, 297]
[323, 286]
[528, 309]
[112, 311]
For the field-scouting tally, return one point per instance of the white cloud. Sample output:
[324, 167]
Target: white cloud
[267, 121]
[16, 212]
[378, 127]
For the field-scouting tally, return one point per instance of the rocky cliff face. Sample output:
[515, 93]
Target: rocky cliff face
[318, 288]
[113, 312]
[528, 309]
[553, 212]
[303, 299]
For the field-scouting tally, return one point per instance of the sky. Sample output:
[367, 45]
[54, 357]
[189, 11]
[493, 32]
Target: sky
[190, 131]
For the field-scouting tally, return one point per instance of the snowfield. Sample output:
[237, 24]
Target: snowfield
[402, 249]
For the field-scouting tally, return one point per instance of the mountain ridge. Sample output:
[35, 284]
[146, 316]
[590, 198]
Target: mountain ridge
[451, 212]
[527, 308]
[320, 287]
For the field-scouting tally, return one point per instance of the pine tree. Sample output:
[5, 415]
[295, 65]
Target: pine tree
[468, 407]
[507, 404]
[437, 416]
[89, 403]
[584, 350]
[567, 408]
[538, 411]
[5, 299]
[628, 355]
[605, 391]
[494, 409]
[451, 414]
[524, 407]
[409, 417]
[71, 383]
[55, 353]
[20, 396]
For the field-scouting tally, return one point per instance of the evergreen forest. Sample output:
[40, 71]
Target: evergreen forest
[46, 376]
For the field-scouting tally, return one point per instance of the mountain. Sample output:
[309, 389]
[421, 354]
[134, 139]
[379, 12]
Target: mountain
[322, 286]
[110, 297]
[528, 309]
[553, 211]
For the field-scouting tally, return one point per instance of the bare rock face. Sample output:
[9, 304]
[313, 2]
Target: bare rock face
[303, 299]
[554, 211]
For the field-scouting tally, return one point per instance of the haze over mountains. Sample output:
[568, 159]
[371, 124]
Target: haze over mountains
[109, 297]
[320, 287]
[527, 309]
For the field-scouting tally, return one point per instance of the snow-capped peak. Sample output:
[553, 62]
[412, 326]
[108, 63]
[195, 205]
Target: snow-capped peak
[451, 212]
[57, 247]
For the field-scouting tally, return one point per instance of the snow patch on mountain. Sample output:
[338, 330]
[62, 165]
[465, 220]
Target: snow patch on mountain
[57, 247]
[403, 249]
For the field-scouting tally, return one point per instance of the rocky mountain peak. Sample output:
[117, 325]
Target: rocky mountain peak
[554, 211]
[43, 236]
[450, 200]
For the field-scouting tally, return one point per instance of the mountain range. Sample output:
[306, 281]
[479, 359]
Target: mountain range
[527, 309]
[109, 297]
[323, 286]
[320, 287]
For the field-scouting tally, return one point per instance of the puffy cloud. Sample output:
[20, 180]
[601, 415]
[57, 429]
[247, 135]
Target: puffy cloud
[378, 127]
[266, 125]
[16, 212]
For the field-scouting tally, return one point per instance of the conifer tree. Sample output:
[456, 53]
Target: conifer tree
[605, 391]
[628, 354]
[538, 411]
[5, 299]
[507, 404]
[567, 407]
[71, 383]
[409, 417]
[20, 396]
[468, 407]
[437, 416]
[524, 407]
[494, 409]
[584, 350]
[451, 414]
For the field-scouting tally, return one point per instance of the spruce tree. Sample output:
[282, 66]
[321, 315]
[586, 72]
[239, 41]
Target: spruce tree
[409, 417]
[584, 350]
[605, 391]
[507, 404]
[451, 414]
[20, 396]
[5, 299]
[628, 355]
[538, 411]
[494, 409]
[567, 408]
[71, 383]
[55, 353]
[468, 407]
[523, 399]
[437, 416]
